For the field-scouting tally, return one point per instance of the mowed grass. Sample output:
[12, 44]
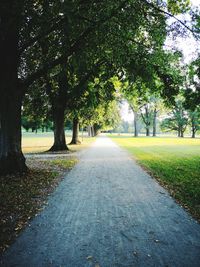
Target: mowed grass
[175, 162]
[41, 142]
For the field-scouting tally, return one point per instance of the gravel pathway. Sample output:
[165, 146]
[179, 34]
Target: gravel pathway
[108, 212]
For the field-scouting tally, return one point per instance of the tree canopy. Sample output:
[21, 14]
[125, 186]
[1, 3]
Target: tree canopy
[62, 57]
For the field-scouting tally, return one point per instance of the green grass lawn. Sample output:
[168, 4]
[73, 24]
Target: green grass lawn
[175, 162]
[40, 142]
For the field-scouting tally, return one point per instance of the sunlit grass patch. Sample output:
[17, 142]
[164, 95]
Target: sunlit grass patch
[63, 163]
[37, 143]
[175, 162]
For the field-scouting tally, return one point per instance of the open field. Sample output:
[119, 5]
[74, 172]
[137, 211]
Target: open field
[40, 142]
[174, 162]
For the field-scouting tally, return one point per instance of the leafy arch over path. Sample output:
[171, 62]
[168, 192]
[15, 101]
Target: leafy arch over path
[91, 26]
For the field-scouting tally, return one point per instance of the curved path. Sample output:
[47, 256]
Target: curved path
[108, 212]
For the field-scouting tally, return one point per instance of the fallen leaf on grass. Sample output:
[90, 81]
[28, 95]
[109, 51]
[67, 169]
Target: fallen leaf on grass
[135, 253]
[89, 258]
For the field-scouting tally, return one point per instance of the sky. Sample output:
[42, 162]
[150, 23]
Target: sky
[189, 46]
[126, 113]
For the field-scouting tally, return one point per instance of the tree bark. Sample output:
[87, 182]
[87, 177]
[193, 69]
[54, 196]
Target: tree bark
[11, 90]
[89, 131]
[179, 131]
[58, 102]
[11, 156]
[154, 122]
[147, 130]
[193, 128]
[96, 129]
[75, 133]
[146, 120]
[193, 133]
[92, 131]
[59, 132]
[182, 133]
[135, 123]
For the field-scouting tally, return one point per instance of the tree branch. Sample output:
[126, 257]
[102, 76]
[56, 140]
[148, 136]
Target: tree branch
[169, 15]
[86, 77]
[74, 47]
[57, 23]
[143, 118]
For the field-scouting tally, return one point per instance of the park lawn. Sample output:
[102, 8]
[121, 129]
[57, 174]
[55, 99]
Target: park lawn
[174, 162]
[41, 142]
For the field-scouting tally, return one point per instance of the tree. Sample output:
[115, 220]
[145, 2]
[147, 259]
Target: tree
[95, 103]
[130, 93]
[105, 117]
[11, 157]
[146, 115]
[192, 95]
[25, 23]
[157, 107]
[75, 132]
[178, 119]
[19, 20]
[36, 108]
[194, 117]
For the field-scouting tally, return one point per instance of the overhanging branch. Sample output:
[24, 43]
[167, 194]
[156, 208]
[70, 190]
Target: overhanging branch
[74, 47]
[169, 15]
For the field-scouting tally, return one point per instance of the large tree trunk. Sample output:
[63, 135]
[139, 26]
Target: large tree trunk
[75, 133]
[11, 157]
[92, 131]
[135, 124]
[96, 129]
[193, 129]
[147, 130]
[146, 120]
[182, 133]
[58, 102]
[179, 131]
[193, 133]
[89, 131]
[11, 93]
[154, 122]
[59, 132]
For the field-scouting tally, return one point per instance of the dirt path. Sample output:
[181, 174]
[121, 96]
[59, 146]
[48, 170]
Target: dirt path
[108, 212]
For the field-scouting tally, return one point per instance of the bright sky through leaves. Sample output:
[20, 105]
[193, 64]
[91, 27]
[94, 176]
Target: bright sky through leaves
[188, 45]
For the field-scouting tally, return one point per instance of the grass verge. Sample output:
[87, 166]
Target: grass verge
[174, 162]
